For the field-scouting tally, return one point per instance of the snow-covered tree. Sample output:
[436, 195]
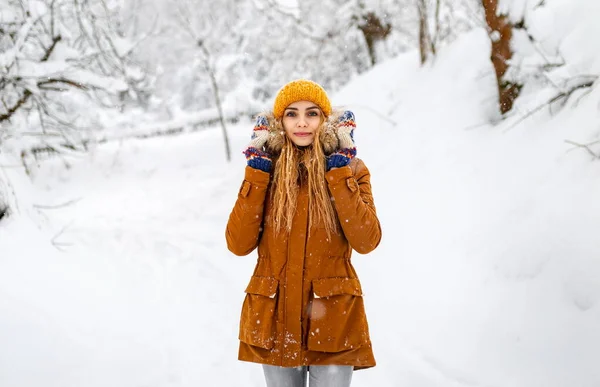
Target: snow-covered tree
[57, 59]
[529, 59]
[439, 22]
[257, 46]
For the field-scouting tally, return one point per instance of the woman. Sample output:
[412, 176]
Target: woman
[306, 203]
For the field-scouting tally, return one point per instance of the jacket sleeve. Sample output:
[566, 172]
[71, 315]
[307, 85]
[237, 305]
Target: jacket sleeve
[244, 225]
[355, 208]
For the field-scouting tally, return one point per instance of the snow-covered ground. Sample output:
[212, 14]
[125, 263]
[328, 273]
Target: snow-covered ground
[487, 274]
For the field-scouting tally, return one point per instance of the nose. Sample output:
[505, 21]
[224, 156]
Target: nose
[302, 122]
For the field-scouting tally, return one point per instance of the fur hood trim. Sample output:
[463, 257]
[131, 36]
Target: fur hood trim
[329, 137]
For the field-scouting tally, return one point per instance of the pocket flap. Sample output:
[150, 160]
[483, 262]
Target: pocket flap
[326, 287]
[245, 188]
[264, 286]
[352, 184]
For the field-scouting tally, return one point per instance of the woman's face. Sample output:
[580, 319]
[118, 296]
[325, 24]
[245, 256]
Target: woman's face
[301, 120]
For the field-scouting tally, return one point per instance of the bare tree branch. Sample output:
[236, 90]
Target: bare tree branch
[20, 102]
[3, 211]
[50, 49]
[562, 95]
[60, 245]
[57, 206]
[586, 147]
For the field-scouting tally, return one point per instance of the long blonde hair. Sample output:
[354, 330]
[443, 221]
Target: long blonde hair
[294, 167]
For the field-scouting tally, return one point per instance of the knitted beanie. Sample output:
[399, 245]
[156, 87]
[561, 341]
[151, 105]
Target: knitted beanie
[301, 90]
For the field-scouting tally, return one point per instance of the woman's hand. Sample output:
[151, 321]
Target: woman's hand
[256, 157]
[345, 134]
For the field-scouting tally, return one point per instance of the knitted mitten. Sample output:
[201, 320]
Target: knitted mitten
[255, 155]
[346, 150]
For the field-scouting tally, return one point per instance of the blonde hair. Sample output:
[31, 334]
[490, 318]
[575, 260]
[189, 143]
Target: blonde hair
[294, 167]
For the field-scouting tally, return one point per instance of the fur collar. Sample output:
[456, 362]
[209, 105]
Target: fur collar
[329, 138]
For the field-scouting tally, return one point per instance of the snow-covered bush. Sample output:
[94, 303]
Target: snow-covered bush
[555, 55]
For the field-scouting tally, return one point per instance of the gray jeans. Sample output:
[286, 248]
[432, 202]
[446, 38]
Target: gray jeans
[319, 376]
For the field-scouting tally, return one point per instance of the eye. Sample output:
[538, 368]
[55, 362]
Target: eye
[313, 113]
[290, 113]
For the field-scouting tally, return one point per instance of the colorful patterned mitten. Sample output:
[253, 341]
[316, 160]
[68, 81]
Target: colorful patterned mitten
[255, 155]
[346, 150]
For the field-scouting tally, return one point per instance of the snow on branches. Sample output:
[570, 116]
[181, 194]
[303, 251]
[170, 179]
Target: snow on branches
[58, 58]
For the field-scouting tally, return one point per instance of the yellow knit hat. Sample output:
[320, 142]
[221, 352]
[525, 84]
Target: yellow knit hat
[301, 90]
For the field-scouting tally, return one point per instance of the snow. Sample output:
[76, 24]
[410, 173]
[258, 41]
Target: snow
[122, 46]
[487, 274]
[91, 79]
[42, 69]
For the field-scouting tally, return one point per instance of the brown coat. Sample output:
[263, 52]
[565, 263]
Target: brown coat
[304, 301]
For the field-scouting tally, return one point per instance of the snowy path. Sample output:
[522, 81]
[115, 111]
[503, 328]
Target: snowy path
[153, 210]
[152, 213]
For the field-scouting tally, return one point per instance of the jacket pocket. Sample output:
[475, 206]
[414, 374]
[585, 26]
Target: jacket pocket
[257, 323]
[337, 320]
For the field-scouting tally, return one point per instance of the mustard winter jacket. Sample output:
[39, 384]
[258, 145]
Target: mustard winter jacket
[304, 304]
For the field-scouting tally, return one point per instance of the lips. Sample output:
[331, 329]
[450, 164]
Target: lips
[302, 134]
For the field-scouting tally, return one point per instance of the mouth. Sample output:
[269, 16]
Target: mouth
[302, 134]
